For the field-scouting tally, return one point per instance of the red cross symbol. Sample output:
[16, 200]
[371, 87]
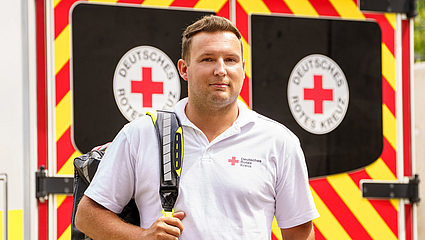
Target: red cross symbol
[147, 87]
[233, 161]
[318, 94]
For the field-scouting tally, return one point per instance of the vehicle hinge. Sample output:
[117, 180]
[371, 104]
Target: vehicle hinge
[387, 189]
[46, 185]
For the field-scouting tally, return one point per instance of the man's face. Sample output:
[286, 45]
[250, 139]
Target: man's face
[216, 70]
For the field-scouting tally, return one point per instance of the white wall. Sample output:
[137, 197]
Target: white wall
[17, 95]
[419, 113]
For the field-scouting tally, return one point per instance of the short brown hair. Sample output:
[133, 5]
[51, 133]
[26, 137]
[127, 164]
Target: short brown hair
[209, 23]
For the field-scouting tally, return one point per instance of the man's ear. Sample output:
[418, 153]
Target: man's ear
[182, 66]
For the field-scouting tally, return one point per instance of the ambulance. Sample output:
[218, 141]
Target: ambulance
[338, 73]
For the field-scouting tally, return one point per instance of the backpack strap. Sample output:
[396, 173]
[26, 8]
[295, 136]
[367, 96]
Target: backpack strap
[170, 140]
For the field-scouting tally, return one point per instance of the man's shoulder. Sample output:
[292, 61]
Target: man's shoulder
[272, 126]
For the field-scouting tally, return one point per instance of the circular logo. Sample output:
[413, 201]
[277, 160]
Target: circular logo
[318, 94]
[145, 80]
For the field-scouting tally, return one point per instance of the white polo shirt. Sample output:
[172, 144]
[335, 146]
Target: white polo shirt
[230, 188]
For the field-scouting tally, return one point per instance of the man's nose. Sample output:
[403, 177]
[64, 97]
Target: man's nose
[220, 68]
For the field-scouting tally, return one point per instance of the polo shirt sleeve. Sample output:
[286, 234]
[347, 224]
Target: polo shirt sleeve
[113, 183]
[294, 201]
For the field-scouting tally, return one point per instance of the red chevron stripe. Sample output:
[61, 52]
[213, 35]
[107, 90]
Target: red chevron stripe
[383, 207]
[324, 8]
[386, 29]
[224, 11]
[184, 3]
[62, 15]
[62, 82]
[338, 208]
[388, 95]
[277, 6]
[389, 156]
[65, 149]
[64, 215]
[318, 235]
[242, 21]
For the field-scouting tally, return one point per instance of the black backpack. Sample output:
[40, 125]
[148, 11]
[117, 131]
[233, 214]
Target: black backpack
[167, 126]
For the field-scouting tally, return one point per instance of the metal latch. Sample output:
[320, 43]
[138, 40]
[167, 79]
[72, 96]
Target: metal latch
[46, 185]
[375, 189]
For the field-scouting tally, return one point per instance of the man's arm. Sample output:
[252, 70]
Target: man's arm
[301, 232]
[100, 223]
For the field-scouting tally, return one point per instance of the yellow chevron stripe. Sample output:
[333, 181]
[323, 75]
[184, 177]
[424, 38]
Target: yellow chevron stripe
[215, 5]
[360, 207]
[66, 235]
[388, 66]
[68, 167]
[391, 17]
[247, 57]
[158, 3]
[62, 49]
[347, 9]
[56, 2]
[276, 229]
[301, 7]
[389, 126]
[63, 115]
[59, 200]
[104, 1]
[15, 224]
[327, 224]
[380, 171]
[256, 6]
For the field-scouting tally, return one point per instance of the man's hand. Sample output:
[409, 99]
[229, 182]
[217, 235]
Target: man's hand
[166, 227]
[100, 223]
[301, 232]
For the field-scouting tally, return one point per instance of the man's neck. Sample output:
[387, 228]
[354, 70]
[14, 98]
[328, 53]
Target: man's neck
[212, 122]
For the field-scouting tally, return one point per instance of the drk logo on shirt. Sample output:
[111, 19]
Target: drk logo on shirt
[145, 79]
[244, 162]
[318, 94]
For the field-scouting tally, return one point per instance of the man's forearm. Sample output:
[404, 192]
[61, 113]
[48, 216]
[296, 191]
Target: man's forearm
[99, 223]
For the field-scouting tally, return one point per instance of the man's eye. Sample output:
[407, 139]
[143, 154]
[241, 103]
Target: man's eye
[207, 60]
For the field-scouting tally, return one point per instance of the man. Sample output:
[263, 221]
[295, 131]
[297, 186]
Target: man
[239, 170]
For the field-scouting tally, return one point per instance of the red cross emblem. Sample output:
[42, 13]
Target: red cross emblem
[147, 87]
[318, 94]
[233, 161]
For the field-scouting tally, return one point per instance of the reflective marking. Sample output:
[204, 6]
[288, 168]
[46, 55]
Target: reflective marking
[301, 7]
[66, 235]
[63, 115]
[254, 6]
[389, 126]
[388, 66]
[327, 224]
[159, 3]
[360, 207]
[61, 49]
[347, 9]
[68, 167]
[247, 57]
[391, 18]
[215, 5]
[276, 230]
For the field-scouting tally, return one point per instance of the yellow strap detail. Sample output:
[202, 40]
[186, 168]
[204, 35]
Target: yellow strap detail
[167, 213]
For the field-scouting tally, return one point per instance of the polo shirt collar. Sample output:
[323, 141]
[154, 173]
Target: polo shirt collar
[245, 114]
